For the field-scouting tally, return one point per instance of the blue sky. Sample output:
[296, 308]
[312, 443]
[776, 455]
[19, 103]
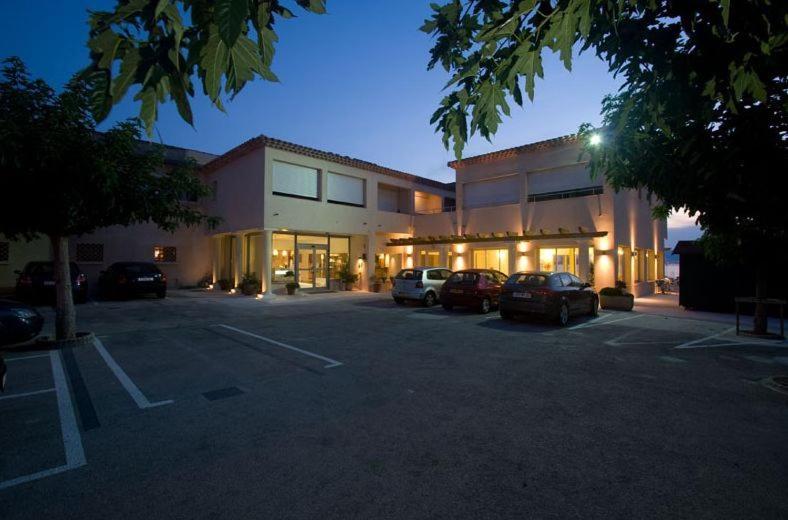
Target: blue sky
[353, 81]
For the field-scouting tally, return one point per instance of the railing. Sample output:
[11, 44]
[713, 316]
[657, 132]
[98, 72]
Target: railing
[566, 194]
[433, 211]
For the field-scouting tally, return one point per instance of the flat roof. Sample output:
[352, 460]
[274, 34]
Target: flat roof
[512, 152]
[266, 141]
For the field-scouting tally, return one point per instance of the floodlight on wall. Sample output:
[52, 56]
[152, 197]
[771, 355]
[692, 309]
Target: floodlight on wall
[275, 252]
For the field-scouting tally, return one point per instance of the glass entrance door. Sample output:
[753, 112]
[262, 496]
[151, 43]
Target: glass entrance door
[312, 266]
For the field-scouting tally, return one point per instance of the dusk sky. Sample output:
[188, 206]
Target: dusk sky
[354, 82]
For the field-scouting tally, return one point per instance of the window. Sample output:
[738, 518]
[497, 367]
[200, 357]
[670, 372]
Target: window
[291, 180]
[409, 274]
[427, 203]
[338, 255]
[562, 259]
[430, 258]
[493, 192]
[446, 274]
[344, 189]
[435, 274]
[164, 254]
[531, 280]
[566, 194]
[497, 259]
[566, 280]
[5, 248]
[90, 253]
[575, 280]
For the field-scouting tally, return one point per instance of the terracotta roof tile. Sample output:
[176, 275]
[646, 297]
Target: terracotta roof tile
[263, 140]
[517, 150]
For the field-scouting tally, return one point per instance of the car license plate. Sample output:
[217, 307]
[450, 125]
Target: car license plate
[49, 282]
[456, 291]
[525, 295]
[145, 279]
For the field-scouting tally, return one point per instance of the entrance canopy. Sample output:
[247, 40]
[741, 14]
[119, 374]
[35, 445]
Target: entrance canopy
[508, 236]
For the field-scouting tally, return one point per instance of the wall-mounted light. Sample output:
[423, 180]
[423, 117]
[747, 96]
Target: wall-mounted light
[275, 252]
[409, 250]
[459, 248]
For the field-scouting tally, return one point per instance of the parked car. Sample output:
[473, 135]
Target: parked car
[420, 284]
[125, 279]
[18, 322]
[36, 282]
[478, 288]
[555, 295]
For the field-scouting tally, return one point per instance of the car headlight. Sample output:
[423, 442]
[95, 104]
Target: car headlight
[25, 314]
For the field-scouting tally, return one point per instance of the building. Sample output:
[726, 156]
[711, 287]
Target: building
[291, 212]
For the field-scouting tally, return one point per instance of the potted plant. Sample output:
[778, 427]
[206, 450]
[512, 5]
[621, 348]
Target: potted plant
[224, 284]
[347, 277]
[375, 283]
[250, 285]
[291, 284]
[616, 298]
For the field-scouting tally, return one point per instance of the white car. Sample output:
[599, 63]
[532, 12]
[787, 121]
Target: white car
[420, 284]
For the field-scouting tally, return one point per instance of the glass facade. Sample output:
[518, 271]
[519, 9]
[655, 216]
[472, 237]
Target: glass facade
[430, 258]
[497, 259]
[562, 259]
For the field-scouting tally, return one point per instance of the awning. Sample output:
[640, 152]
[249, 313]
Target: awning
[507, 236]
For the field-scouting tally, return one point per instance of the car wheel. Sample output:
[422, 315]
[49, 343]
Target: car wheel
[161, 294]
[594, 307]
[485, 306]
[563, 314]
[506, 315]
[399, 301]
[447, 306]
[429, 299]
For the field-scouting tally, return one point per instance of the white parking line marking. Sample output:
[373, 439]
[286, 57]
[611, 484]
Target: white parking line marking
[26, 394]
[331, 362]
[72, 441]
[596, 321]
[125, 380]
[22, 358]
[694, 343]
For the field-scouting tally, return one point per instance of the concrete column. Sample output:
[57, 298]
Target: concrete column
[443, 259]
[216, 251]
[265, 268]
[513, 256]
[368, 269]
[583, 259]
[238, 258]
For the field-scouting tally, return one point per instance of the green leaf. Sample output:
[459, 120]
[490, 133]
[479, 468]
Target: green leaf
[726, 11]
[160, 6]
[100, 98]
[106, 44]
[148, 109]
[214, 58]
[244, 63]
[230, 17]
[316, 6]
[128, 71]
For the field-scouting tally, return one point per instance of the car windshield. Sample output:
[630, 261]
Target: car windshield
[531, 280]
[409, 274]
[463, 278]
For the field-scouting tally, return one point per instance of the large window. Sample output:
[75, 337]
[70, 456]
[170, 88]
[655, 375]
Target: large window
[165, 254]
[560, 259]
[283, 258]
[493, 192]
[338, 255]
[292, 180]
[429, 258]
[344, 189]
[497, 259]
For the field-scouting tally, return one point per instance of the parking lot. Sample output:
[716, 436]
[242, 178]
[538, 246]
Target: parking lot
[345, 405]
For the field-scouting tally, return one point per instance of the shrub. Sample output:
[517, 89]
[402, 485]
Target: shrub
[612, 291]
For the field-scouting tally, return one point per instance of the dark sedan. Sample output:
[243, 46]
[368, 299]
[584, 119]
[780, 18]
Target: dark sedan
[477, 288]
[36, 282]
[555, 295]
[125, 279]
[18, 322]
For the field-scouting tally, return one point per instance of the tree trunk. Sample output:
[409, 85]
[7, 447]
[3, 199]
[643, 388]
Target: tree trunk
[65, 317]
[760, 319]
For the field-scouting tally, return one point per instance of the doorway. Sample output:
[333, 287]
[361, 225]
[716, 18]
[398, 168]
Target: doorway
[312, 266]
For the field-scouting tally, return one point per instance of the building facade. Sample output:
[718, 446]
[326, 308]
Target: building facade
[294, 213]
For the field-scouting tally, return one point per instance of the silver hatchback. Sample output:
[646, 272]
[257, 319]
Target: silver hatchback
[419, 283]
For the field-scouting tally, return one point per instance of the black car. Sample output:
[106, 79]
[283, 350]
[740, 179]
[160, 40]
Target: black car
[36, 282]
[18, 322]
[125, 279]
[555, 295]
